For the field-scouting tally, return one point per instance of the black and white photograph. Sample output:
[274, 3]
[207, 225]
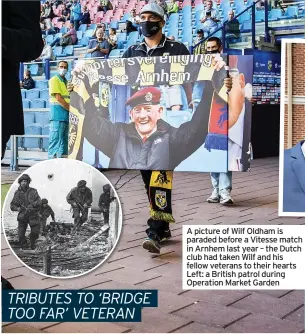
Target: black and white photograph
[62, 218]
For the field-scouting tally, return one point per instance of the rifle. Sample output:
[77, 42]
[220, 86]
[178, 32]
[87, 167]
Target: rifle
[80, 206]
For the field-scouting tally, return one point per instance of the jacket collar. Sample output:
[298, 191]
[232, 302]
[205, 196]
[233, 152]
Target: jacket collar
[297, 162]
[143, 46]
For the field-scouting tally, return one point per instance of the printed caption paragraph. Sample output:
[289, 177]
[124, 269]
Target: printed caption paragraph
[248, 257]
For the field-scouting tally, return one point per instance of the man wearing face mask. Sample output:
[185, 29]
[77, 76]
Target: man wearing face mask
[80, 199]
[155, 44]
[59, 113]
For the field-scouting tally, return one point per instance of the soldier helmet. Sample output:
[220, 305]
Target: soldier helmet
[44, 201]
[81, 183]
[106, 187]
[24, 177]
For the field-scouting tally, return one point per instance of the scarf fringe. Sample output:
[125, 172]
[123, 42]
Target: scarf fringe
[216, 142]
[158, 215]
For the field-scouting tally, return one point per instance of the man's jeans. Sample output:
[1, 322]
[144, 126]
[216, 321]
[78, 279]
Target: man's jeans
[222, 182]
[209, 29]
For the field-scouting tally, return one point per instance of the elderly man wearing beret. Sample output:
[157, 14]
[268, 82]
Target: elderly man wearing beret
[80, 199]
[27, 202]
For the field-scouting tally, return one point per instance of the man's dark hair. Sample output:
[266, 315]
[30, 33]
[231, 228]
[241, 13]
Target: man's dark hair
[63, 61]
[114, 30]
[215, 39]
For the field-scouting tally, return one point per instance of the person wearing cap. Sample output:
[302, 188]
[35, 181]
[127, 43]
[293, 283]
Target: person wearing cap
[199, 37]
[104, 202]
[44, 213]
[26, 202]
[80, 199]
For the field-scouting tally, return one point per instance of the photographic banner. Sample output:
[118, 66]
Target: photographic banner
[163, 113]
[151, 113]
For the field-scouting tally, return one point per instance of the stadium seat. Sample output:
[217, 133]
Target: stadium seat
[116, 53]
[34, 69]
[23, 92]
[45, 141]
[44, 94]
[41, 117]
[93, 26]
[29, 117]
[68, 51]
[259, 16]
[176, 118]
[275, 14]
[82, 27]
[32, 129]
[199, 7]
[114, 24]
[292, 12]
[25, 104]
[132, 39]
[49, 39]
[246, 26]
[57, 51]
[37, 104]
[32, 94]
[58, 35]
[79, 35]
[41, 84]
[63, 30]
[122, 37]
[244, 17]
[47, 102]
[84, 41]
[89, 33]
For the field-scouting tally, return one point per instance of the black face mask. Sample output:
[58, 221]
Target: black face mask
[213, 51]
[150, 28]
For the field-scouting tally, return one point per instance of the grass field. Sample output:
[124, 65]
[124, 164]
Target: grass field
[4, 190]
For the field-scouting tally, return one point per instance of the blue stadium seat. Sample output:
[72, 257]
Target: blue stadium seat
[47, 103]
[45, 141]
[114, 24]
[8, 144]
[44, 94]
[244, 17]
[125, 18]
[132, 38]
[122, 37]
[32, 94]
[84, 41]
[42, 84]
[246, 26]
[25, 104]
[275, 14]
[34, 69]
[199, 7]
[37, 104]
[68, 51]
[29, 118]
[79, 35]
[63, 30]
[32, 129]
[116, 53]
[58, 35]
[23, 92]
[57, 51]
[49, 39]
[42, 117]
[89, 33]
[259, 16]
[292, 12]
[82, 27]
[93, 26]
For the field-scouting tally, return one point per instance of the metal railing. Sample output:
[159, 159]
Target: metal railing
[223, 27]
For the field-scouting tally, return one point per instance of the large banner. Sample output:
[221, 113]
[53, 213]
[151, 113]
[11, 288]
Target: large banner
[164, 113]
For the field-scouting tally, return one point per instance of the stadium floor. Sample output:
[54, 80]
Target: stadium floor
[183, 311]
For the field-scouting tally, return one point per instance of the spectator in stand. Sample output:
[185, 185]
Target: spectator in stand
[133, 24]
[69, 4]
[70, 38]
[104, 6]
[112, 39]
[21, 42]
[163, 4]
[102, 26]
[27, 82]
[172, 8]
[50, 29]
[98, 47]
[232, 28]
[47, 53]
[48, 11]
[199, 37]
[76, 11]
[59, 113]
[85, 16]
[57, 3]
[209, 18]
[65, 14]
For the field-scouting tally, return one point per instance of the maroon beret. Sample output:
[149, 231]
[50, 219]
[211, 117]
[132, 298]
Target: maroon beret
[150, 95]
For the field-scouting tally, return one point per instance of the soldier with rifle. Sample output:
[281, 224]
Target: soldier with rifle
[45, 212]
[27, 202]
[104, 202]
[80, 199]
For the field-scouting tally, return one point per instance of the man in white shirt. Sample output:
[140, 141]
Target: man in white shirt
[133, 24]
[47, 53]
[209, 18]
